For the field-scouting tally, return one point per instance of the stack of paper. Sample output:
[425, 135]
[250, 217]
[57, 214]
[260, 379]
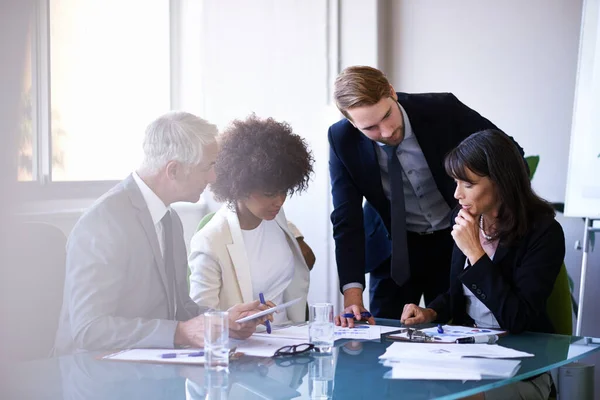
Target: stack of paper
[450, 361]
[457, 369]
[411, 350]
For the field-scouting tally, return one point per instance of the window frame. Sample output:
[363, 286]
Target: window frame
[42, 187]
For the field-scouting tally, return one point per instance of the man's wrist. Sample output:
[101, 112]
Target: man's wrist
[432, 314]
[181, 338]
[353, 296]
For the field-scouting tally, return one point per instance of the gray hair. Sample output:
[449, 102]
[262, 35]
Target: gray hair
[176, 136]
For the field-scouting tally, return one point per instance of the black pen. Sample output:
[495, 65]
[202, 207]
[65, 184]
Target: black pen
[489, 339]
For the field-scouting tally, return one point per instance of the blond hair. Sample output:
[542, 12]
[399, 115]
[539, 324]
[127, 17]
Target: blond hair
[359, 86]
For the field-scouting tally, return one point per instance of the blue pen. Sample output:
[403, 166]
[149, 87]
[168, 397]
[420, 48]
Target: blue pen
[364, 314]
[440, 329]
[267, 323]
[174, 355]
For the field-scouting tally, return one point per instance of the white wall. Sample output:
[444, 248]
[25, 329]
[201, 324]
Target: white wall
[513, 61]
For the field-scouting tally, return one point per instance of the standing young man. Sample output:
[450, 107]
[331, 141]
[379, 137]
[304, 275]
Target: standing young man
[389, 151]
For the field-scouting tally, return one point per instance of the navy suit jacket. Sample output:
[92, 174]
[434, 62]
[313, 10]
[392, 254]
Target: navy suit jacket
[440, 122]
[515, 285]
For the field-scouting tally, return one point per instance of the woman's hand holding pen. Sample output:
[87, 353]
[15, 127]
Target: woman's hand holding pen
[465, 233]
[413, 314]
[270, 304]
[243, 330]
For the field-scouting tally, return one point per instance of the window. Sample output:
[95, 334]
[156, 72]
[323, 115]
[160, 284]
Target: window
[25, 165]
[103, 73]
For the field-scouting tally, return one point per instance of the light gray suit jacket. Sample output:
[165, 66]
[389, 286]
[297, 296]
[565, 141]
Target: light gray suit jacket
[118, 291]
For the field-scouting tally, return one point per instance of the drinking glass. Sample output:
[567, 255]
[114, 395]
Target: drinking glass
[321, 373]
[320, 327]
[216, 340]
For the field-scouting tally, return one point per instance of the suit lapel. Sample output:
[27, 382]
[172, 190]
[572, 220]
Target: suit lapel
[428, 136]
[143, 215]
[367, 154]
[501, 252]
[239, 258]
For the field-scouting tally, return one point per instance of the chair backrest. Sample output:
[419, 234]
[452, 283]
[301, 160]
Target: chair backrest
[41, 254]
[201, 225]
[205, 220]
[559, 307]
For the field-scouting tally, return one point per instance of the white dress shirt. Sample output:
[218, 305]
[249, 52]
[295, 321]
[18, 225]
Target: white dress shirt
[271, 263]
[481, 315]
[156, 207]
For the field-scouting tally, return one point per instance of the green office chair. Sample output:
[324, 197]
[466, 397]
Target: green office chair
[558, 306]
[201, 225]
[204, 221]
[559, 309]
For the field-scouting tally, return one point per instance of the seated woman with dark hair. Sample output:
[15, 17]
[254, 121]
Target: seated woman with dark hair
[247, 248]
[508, 248]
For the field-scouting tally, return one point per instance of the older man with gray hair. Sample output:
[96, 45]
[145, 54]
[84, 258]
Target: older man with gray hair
[126, 274]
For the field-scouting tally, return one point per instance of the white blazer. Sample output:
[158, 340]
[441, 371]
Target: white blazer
[220, 271]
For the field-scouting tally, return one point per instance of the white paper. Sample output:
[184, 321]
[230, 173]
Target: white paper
[451, 333]
[434, 373]
[386, 329]
[359, 332]
[289, 332]
[435, 351]
[270, 310]
[262, 346]
[154, 355]
[364, 332]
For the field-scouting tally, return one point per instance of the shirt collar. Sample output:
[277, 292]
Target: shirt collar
[155, 205]
[408, 132]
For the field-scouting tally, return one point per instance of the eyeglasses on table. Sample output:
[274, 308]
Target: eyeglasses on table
[294, 349]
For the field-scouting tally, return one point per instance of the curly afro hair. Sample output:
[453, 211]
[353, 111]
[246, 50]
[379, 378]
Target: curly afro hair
[260, 155]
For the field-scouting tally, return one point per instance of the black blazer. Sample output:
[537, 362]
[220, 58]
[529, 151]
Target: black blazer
[515, 285]
[440, 122]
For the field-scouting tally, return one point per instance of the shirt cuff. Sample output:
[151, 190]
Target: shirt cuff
[351, 286]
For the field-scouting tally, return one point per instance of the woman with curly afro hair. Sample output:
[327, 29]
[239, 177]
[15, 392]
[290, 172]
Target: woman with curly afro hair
[247, 247]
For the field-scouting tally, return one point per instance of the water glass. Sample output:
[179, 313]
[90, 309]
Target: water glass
[216, 340]
[320, 327]
[216, 384]
[321, 373]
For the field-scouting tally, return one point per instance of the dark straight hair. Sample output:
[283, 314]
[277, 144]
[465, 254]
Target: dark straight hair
[491, 153]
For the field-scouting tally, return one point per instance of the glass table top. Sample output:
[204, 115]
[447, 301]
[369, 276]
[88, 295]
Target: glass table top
[351, 371]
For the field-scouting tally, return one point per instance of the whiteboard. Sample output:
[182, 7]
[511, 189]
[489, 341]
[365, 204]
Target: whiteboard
[582, 198]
